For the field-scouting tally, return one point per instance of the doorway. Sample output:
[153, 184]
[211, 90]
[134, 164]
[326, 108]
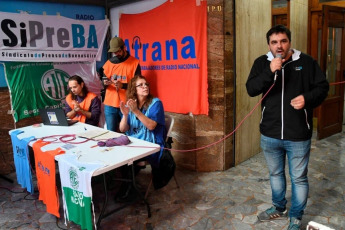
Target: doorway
[332, 59]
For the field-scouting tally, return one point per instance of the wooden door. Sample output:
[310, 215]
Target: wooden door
[332, 60]
[281, 12]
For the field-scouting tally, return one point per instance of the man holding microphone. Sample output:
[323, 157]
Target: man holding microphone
[287, 114]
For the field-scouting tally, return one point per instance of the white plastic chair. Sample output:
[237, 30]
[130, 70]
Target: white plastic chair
[169, 123]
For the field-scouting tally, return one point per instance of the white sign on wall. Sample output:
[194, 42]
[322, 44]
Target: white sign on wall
[42, 38]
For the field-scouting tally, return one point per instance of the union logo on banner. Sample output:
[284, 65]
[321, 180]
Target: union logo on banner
[54, 83]
[44, 84]
[170, 42]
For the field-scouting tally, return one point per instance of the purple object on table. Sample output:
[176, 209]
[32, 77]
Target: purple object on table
[122, 140]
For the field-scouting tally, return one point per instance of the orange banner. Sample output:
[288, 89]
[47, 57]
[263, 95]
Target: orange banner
[171, 43]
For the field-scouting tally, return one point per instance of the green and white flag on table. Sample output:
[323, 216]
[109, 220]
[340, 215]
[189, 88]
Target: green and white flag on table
[77, 191]
[44, 85]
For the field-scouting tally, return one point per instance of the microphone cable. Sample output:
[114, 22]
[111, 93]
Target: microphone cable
[220, 140]
[72, 137]
[230, 134]
[239, 125]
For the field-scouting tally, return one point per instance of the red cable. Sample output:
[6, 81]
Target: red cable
[239, 125]
[220, 140]
[62, 138]
[230, 134]
[336, 83]
[186, 150]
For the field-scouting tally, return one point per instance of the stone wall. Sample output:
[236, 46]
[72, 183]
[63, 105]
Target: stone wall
[7, 123]
[192, 132]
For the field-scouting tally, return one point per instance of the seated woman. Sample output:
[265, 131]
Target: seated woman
[81, 104]
[143, 116]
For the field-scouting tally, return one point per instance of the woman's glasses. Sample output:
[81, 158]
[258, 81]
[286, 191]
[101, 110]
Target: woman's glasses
[142, 85]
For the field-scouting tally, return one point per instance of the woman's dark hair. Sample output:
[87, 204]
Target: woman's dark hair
[79, 80]
[276, 30]
[132, 91]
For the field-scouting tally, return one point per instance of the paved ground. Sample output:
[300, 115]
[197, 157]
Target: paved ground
[219, 200]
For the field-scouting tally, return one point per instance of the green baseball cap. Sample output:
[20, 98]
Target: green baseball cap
[115, 44]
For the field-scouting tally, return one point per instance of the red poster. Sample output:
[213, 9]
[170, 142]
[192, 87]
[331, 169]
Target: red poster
[171, 43]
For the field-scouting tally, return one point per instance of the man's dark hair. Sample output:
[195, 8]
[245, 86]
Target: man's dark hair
[79, 80]
[276, 30]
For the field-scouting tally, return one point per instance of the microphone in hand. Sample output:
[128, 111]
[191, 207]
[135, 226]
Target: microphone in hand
[276, 72]
[281, 59]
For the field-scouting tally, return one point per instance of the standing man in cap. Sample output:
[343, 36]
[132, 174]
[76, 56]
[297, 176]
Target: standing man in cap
[117, 72]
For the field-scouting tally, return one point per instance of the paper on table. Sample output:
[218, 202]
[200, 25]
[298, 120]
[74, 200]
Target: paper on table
[92, 134]
[108, 135]
[99, 134]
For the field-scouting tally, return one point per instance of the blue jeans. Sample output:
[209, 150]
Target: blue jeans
[298, 152]
[112, 117]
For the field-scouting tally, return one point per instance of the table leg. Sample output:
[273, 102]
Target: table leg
[105, 201]
[102, 215]
[6, 178]
[139, 193]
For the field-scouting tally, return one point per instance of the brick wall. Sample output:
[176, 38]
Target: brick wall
[190, 131]
[7, 123]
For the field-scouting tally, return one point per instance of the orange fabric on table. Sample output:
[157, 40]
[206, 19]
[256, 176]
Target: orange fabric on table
[45, 172]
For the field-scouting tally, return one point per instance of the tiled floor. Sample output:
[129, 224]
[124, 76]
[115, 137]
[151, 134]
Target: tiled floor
[218, 200]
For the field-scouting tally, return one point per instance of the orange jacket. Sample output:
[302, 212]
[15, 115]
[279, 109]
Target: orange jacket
[124, 72]
[84, 105]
